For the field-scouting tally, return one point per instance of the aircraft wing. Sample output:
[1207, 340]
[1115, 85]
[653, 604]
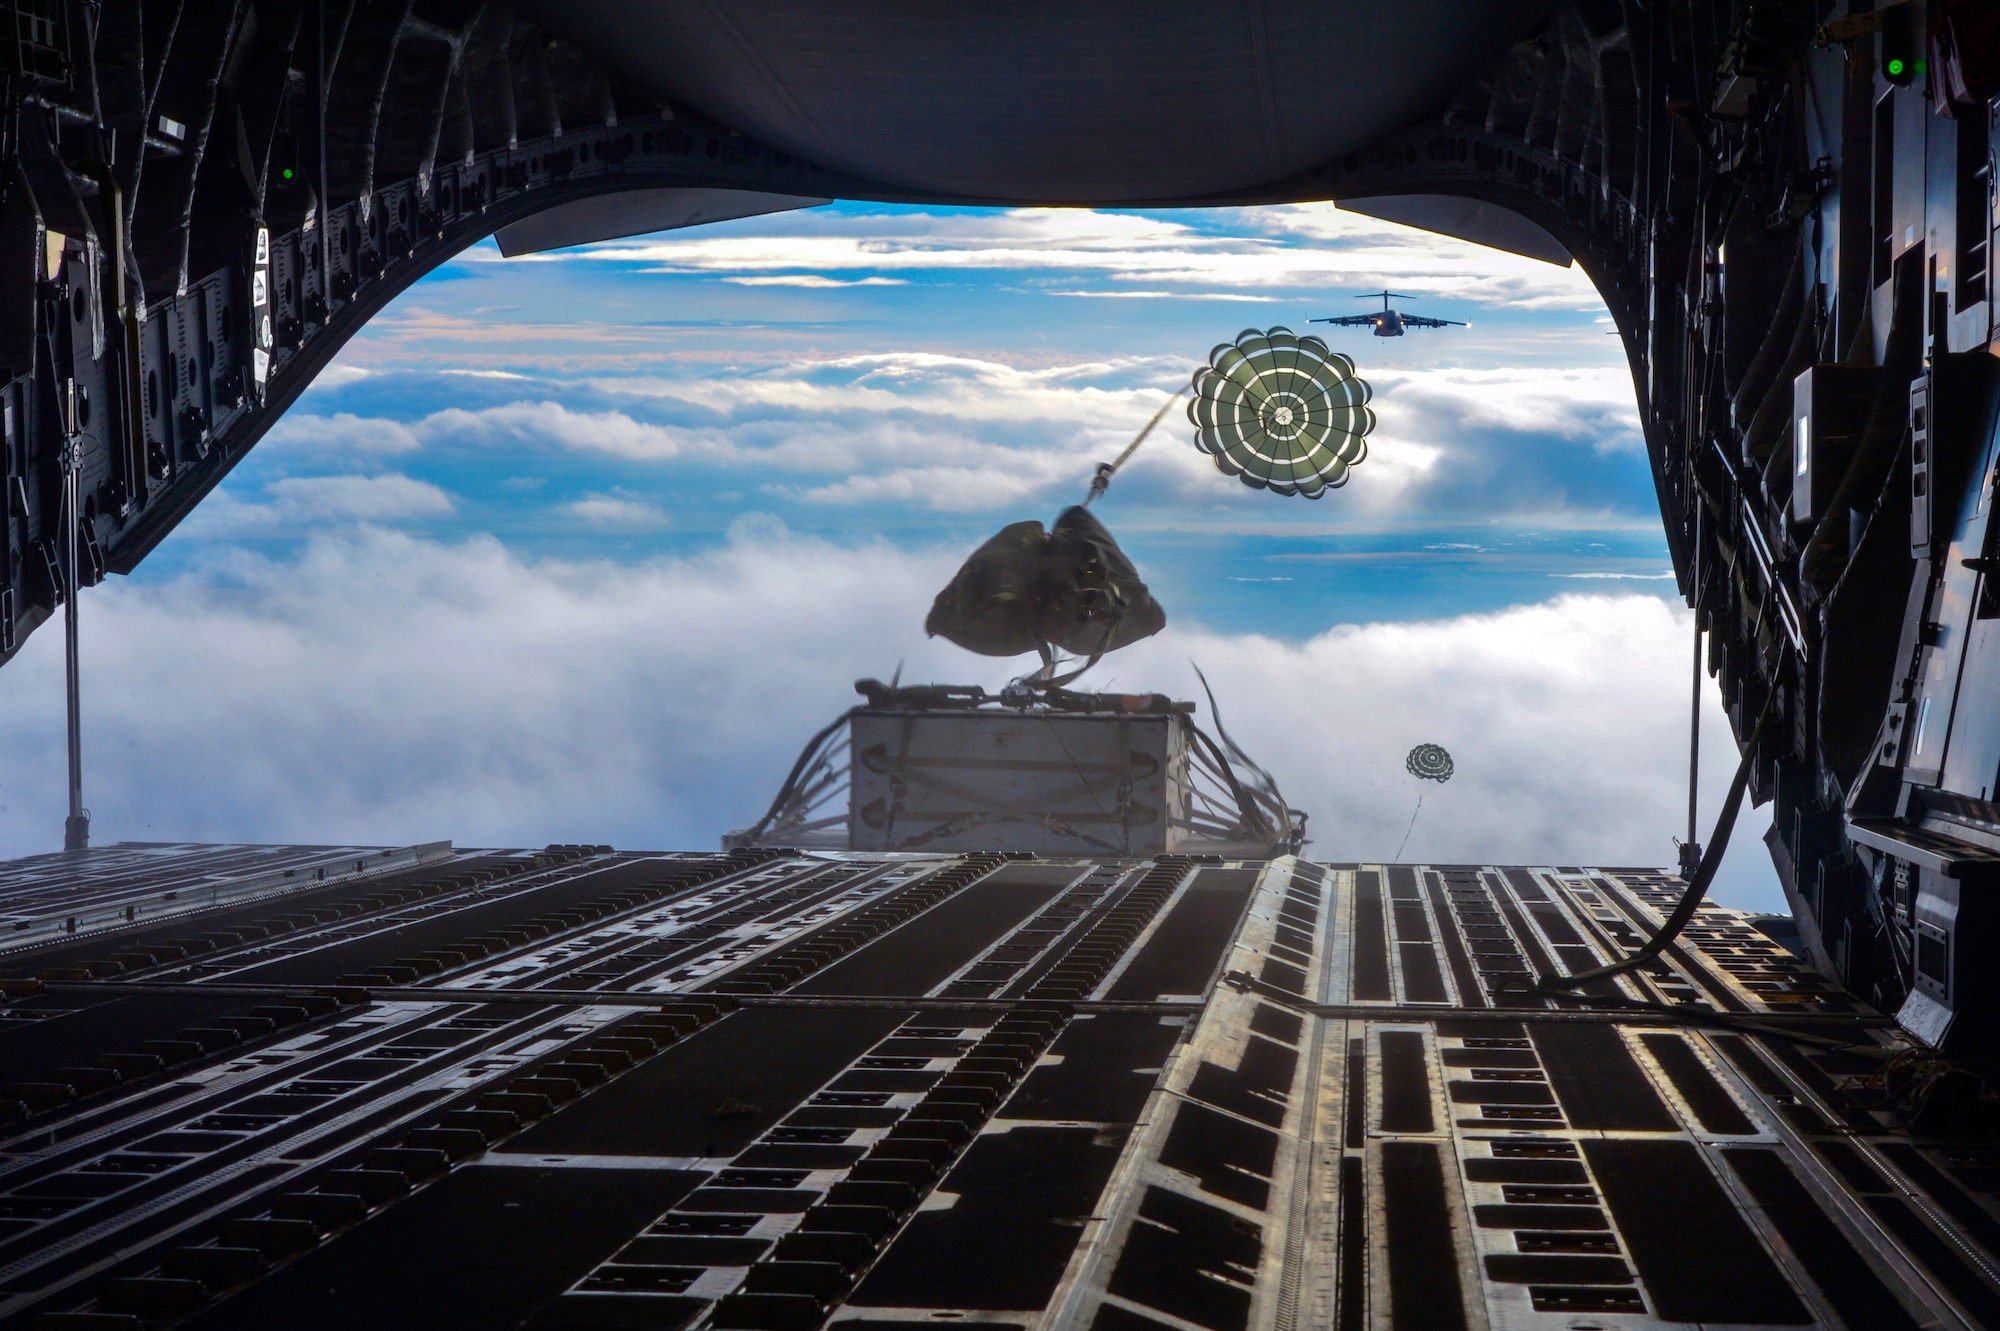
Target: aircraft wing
[1350, 320]
[1424, 321]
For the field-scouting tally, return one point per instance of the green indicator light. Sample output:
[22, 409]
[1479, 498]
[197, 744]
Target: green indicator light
[1895, 67]
[288, 173]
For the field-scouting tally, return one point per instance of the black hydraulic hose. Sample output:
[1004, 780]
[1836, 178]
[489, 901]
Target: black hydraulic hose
[1882, 436]
[1778, 469]
[1763, 367]
[1889, 480]
[1697, 888]
[1774, 409]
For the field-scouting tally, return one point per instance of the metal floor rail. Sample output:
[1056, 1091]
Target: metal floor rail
[577, 1088]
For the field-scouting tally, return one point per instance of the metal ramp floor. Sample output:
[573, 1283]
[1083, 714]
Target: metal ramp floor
[578, 1088]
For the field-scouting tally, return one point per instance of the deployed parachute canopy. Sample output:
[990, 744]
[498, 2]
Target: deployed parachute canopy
[1429, 762]
[1281, 412]
[1030, 590]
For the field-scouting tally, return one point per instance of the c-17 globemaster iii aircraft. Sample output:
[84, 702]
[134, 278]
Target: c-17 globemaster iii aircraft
[1388, 322]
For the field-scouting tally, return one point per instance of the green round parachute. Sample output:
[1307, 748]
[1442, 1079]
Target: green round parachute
[1430, 762]
[1282, 412]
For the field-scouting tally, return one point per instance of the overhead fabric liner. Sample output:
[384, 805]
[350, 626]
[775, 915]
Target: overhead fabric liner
[638, 213]
[1472, 220]
[1045, 102]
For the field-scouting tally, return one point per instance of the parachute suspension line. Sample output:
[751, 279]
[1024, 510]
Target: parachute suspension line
[1106, 470]
[1262, 798]
[1398, 857]
[1047, 678]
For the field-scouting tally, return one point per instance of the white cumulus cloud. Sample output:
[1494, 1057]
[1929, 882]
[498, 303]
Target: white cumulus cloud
[814, 281]
[298, 502]
[1295, 246]
[384, 688]
[615, 511]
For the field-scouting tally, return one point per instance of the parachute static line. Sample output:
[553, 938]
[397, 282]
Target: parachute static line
[1106, 470]
[1398, 856]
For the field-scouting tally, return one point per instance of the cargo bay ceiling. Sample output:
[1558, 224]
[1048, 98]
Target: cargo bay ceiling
[203, 201]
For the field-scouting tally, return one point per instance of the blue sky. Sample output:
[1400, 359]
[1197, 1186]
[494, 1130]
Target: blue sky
[604, 534]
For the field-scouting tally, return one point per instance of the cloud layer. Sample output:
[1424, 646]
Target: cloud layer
[956, 434]
[383, 688]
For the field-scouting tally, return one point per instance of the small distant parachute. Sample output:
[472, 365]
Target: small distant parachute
[1426, 762]
[1430, 762]
[1281, 412]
